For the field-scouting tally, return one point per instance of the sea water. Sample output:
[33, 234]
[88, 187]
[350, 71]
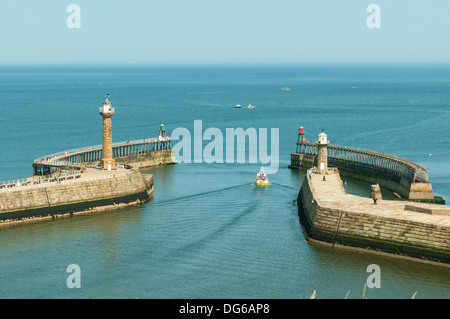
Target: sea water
[210, 232]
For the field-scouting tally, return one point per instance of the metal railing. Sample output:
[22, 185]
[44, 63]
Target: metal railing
[372, 152]
[366, 158]
[61, 181]
[62, 158]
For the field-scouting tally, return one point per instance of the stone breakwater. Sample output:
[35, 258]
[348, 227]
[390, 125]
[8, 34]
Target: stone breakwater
[93, 191]
[396, 228]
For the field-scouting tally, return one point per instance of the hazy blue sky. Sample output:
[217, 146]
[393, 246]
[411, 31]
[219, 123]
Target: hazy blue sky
[224, 31]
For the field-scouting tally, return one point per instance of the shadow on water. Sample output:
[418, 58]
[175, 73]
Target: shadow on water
[217, 231]
[183, 198]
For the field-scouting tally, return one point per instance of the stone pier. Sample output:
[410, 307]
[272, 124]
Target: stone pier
[397, 228]
[92, 190]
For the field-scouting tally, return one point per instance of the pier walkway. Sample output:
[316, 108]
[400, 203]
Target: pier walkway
[329, 214]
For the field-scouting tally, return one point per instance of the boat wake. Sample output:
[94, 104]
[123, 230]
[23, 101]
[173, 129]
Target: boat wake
[216, 231]
[183, 198]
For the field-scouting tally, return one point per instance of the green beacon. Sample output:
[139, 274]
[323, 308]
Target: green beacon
[162, 130]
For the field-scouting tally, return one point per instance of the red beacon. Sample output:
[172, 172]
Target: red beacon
[301, 139]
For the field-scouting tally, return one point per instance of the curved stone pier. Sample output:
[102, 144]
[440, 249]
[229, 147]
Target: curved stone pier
[93, 190]
[398, 228]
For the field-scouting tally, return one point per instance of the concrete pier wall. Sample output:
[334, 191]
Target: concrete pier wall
[302, 160]
[330, 215]
[75, 196]
[155, 158]
[389, 179]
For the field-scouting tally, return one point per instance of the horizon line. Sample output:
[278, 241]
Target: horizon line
[287, 64]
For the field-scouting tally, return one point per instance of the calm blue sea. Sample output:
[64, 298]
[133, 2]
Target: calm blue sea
[209, 231]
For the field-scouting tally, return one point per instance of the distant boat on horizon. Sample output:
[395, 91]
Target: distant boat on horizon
[250, 106]
[285, 89]
[237, 106]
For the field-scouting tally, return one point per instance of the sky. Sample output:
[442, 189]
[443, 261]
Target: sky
[185, 32]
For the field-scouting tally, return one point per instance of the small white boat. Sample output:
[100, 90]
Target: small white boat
[261, 178]
[237, 106]
[250, 106]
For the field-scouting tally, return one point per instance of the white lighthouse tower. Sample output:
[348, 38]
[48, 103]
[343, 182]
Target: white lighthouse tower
[322, 157]
[106, 111]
